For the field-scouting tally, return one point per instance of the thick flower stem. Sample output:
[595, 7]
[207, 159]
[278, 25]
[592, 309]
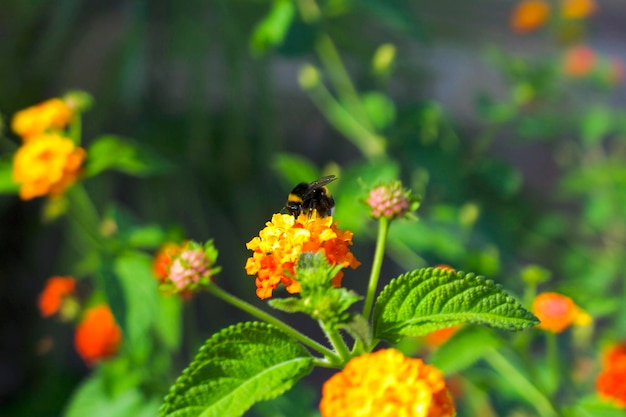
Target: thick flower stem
[522, 385]
[268, 318]
[337, 341]
[381, 240]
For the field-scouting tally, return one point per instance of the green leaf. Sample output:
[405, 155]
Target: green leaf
[594, 407]
[463, 349]
[272, 29]
[134, 270]
[7, 186]
[429, 299]
[113, 152]
[93, 398]
[595, 125]
[295, 168]
[236, 368]
[380, 109]
[147, 237]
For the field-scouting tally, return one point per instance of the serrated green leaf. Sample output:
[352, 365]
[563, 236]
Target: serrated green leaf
[429, 299]
[236, 368]
[463, 349]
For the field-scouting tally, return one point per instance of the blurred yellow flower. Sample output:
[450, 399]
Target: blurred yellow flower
[46, 165]
[557, 312]
[387, 384]
[528, 15]
[577, 9]
[53, 114]
[284, 238]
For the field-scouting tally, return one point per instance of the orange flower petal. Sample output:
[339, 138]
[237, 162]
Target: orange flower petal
[97, 336]
[528, 15]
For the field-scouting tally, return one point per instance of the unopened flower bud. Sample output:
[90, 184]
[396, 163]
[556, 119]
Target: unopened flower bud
[390, 200]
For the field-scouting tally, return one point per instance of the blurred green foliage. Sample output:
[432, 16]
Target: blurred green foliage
[213, 110]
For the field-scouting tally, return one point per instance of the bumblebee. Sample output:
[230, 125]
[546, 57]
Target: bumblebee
[308, 197]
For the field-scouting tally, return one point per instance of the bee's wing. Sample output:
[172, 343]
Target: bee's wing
[322, 181]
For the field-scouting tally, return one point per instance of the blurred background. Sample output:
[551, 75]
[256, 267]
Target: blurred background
[512, 135]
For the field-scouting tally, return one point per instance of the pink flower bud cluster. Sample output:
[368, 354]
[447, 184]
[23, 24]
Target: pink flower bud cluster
[388, 200]
[189, 267]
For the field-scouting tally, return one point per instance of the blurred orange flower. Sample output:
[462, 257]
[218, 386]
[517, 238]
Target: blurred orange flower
[439, 337]
[284, 238]
[557, 312]
[53, 114]
[53, 294]
[578, 61]
[528, 15]
[97, 336]
[163, 259]
[577, 9]
[387, 384]
[611, 383]
[46, 165]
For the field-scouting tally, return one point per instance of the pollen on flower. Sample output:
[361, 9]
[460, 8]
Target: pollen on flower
[386, 383]
[557, 312]
[97, 336]
[46, 165]
[528, 15]
[284, 238]
[52, 297]
[53, 114]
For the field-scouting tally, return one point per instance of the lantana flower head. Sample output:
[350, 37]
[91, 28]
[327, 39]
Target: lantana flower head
[557, 312]
[284, 238]
[192, 266]
[391, 201]
[579, 61]
[55, 295]
[529, 15]
[611, 382]
[97, 335]
[163, 259]
[51, 115]
[387, 384]
[46, 165]
[577, 9]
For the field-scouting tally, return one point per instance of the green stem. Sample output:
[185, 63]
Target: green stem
[268, 318]
[383, 229]
[368, 142]
[76, 127]
[523, 386]
[341, 80]
[552, 354]
[337, 341]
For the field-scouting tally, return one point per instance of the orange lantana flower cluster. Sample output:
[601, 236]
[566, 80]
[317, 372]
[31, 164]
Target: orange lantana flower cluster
[97, 336]
[55, 292]
[163, 259]
[611, 383]
[386, 384]
[48, 162]
[281, 242]
[529, 15]
[557, 312]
